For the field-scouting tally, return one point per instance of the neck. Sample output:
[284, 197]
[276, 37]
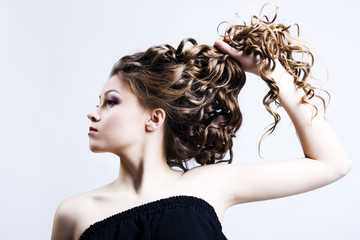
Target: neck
[143, 168]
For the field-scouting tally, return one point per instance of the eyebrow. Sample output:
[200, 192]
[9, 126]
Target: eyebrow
[111, 90]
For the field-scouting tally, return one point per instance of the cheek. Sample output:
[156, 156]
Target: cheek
[115, 127]
[114, 122]
[119, 125]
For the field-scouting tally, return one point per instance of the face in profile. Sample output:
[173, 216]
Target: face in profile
[118, 122]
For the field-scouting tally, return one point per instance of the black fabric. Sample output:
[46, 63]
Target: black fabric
[175, 218]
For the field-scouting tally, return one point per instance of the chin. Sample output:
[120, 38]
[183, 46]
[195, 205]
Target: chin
[96, 149]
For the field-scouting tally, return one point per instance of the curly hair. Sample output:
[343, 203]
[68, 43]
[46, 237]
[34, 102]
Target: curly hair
[271, 41]
[198, 87]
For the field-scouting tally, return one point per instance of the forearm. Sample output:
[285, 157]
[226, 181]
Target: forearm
[317, 138]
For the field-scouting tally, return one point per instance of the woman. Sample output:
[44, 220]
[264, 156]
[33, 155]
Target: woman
[163, 107]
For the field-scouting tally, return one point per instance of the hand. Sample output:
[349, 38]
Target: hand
[248, 62]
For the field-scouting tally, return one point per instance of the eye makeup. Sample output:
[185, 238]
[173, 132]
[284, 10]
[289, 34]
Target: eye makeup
[112, 101]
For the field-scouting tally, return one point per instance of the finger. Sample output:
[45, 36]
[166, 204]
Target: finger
[224, 47]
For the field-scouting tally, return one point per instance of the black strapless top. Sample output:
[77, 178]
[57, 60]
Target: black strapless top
[173, 218]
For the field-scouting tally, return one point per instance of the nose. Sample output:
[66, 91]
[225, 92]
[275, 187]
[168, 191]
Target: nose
[94, 115]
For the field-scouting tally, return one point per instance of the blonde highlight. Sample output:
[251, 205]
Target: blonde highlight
[272, 41]
[198, 86]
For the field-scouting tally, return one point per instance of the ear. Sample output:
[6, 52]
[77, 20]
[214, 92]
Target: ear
[156, 119]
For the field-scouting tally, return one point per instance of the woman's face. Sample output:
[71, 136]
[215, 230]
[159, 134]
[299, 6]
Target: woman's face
[119, 121]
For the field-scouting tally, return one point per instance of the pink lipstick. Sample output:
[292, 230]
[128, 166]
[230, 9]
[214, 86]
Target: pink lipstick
[92, 130]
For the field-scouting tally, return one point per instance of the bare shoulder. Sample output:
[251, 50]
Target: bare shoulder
[67, 217]
[71, 213]
[210, 173]
[210, 183]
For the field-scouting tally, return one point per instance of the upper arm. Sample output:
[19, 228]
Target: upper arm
[240, 183]
[64, 222]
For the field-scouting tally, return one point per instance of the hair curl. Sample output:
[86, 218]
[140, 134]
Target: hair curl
[272, 41]
[198, 87]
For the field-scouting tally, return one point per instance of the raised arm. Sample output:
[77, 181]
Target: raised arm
[325, 159]
[317, 138]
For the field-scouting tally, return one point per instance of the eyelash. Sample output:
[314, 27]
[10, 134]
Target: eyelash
[110, 102]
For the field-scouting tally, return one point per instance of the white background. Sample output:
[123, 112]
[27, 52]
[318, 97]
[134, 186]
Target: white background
[56, 55]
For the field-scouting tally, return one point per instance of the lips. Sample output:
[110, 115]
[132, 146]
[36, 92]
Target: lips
[91, 129]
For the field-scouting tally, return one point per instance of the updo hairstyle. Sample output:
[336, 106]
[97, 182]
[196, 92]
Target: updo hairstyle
[198, 87]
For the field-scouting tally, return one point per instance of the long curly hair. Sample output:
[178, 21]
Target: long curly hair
[198, 87]
[272, 41]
